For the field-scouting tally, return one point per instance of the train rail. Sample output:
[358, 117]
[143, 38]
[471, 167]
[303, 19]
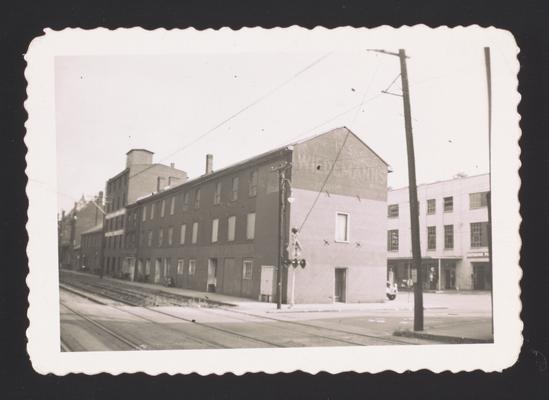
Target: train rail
[132, 345]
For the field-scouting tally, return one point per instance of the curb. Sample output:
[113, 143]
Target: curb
[441, 338]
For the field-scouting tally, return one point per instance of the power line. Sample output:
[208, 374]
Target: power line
[325, 181]
[236, 114]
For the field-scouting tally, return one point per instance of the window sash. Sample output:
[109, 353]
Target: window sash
[392, 240]
[217, 194]
[215, 229]
[250, 226]
[448, 236]
[234, 195]
[431, 238]
[162, 208]
[231, 228]
[182, 234]
[170, 236]
[247, 269]
[392, 210]
[192, 267]
[172, 205]
[431, 206]
[342, 227]
[180, 266]
[448, 204]
[195, 233]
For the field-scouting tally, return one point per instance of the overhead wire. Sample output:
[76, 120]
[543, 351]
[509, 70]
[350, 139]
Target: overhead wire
[240, 111]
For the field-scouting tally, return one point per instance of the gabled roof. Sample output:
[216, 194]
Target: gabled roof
[253, 159]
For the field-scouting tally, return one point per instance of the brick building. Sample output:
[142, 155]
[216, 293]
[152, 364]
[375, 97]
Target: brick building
[453, 220]
[84, 215]
[141, 176]
[220, 231]
[91, 249]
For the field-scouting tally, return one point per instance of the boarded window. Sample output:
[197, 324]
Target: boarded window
[342, 227]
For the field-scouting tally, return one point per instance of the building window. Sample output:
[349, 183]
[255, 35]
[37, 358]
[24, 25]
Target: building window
[215, 229]
[170, 236]
[172, 205]
[162, 208]
[194, 238]
[234, 193]
[231, 225]
[342, 227]
[150, 239]
[148, 266]
[392, 240]
[167, 267]
[431, 237]
[180, 266]
[144, 215]
[479, 234]
[448, 236]
[197, 198]
[392, 211]
[431, 206]
[182, 234]
[160, 236]
[250, 226]
[217, 194]
[152, 210]
[448, 204]
[123, 199]
[478, 200]
[252, 189]
[186, 200]
[247, 269]
[192, 267]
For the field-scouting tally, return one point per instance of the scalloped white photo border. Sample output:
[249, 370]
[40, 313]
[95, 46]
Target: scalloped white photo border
[43, 313]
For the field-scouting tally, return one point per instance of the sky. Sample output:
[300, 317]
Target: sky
[237, 105]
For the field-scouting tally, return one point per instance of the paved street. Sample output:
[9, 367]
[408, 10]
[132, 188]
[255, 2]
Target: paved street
[91, 322]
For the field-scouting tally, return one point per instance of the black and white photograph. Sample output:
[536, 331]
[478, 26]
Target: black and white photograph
[259, 196]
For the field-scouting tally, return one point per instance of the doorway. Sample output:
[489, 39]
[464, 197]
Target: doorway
[340, 285]
[212, 274]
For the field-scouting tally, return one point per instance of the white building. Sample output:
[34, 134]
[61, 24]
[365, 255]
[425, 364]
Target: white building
[453, 219]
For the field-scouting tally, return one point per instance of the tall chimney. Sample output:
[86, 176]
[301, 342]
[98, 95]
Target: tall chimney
[209, 163]
[172, 165]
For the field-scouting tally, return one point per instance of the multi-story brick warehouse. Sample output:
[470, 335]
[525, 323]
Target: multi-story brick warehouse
[453, 221]
[141, 176]
[220, 231]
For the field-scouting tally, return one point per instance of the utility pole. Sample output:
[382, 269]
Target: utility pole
[281, 169]
[487, 60]
[414, 214]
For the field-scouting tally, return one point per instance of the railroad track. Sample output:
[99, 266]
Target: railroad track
[205, 325]
[287, 325]
[100, 326]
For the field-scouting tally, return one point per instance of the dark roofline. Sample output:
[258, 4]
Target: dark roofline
[279, 151]
[148, 151]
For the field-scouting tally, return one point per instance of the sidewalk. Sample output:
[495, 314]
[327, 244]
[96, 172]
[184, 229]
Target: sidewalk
[255, 305]
[465, 332]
